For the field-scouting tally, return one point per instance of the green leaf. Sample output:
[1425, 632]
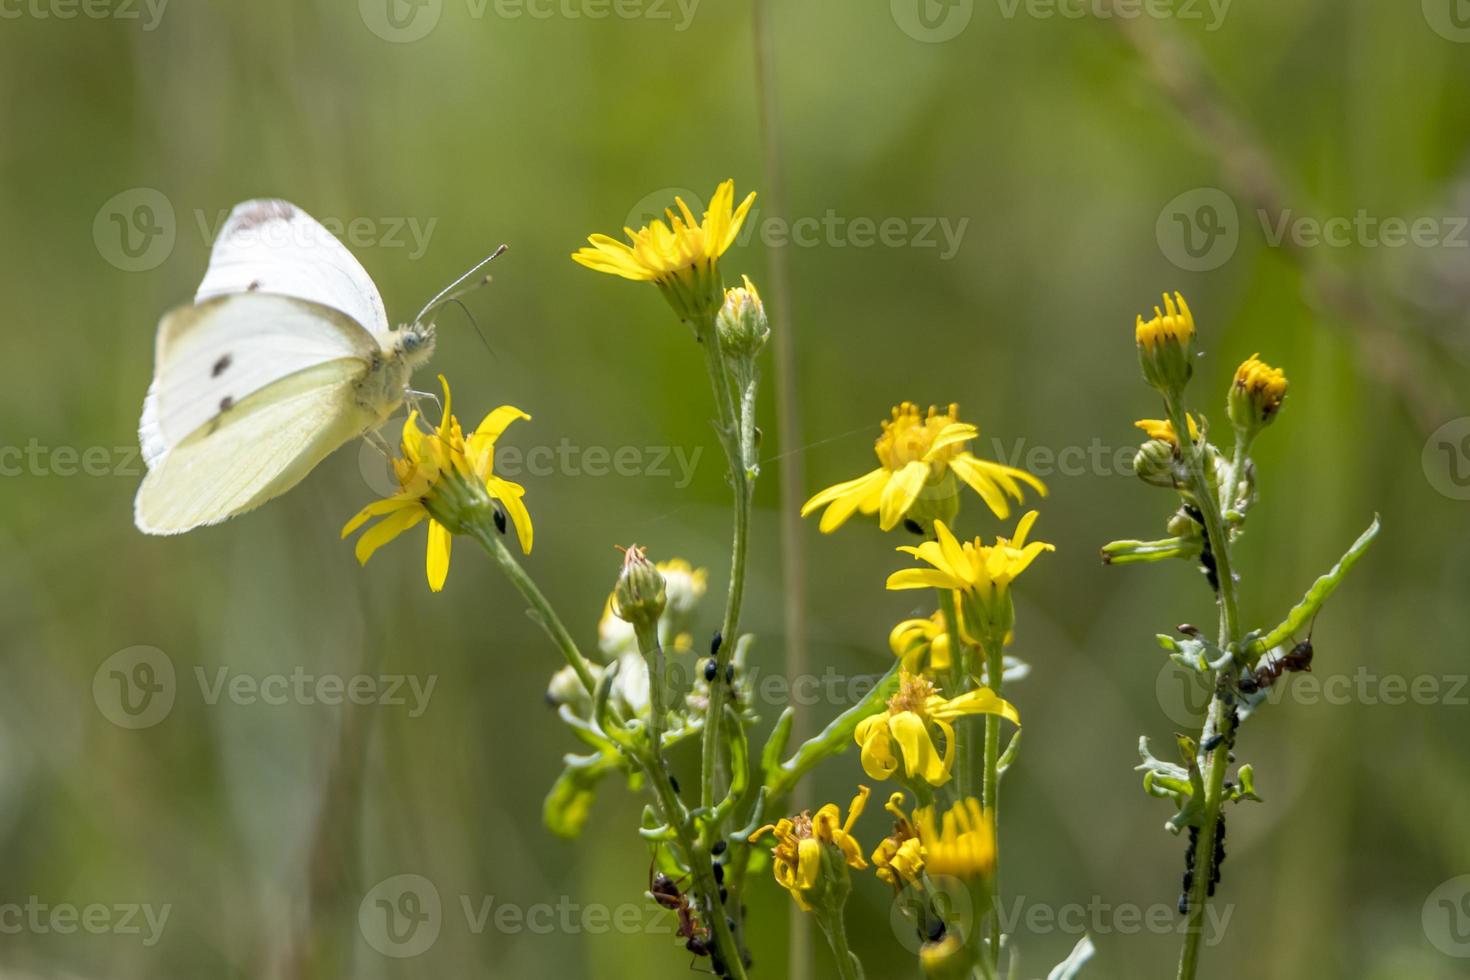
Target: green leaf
[832, 740]
[1315, 597]
[569, 802]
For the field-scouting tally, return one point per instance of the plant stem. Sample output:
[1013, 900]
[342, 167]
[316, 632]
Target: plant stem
[489, 539]
[959, 675]
[848, 967]
[994, 665]
[1218, 721]
[737, 453]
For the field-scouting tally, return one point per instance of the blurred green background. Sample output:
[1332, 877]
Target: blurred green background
[1083, 163]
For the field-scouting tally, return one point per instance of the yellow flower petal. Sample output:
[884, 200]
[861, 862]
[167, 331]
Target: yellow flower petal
[436, 562]
[902, 490]
[386, 530]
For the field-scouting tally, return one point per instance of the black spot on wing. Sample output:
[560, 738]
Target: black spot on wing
[220, 365]
[226, 403]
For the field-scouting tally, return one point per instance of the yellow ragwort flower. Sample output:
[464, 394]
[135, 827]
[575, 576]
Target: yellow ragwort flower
[982, 574]
[1163, 430]
[918, 453]
[1173, 324]
[1256, 394]
[449, 480]
[899, 857]
[797, 856]
[1165, 345]
[680, 257]
[903, 733]
[924, 644]
[961, 844]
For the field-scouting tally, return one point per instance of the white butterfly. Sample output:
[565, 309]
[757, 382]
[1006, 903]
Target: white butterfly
[285, 355]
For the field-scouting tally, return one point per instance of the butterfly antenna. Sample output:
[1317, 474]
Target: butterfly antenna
[473, 322]
[450, 289]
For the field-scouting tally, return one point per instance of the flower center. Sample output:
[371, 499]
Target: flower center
[908, 435]
[914, 691]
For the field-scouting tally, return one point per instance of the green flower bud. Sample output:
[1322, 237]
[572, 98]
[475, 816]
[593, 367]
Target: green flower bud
[742, 323]
[1154, 463]
[639, 595]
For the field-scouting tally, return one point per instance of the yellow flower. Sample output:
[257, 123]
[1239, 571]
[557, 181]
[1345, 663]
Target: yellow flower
[1165, 345]
[447, 479]
[923, 644]
[918, 453]
[982, 574]
[801, 842]
[899, 857]
[680, 257]
[903, 732]
[961, 844]
[1163, 430]
[1257, 393]
[1176, 326]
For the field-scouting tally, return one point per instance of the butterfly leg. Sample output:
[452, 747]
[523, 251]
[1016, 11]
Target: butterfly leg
[415, 397]
[375, 439]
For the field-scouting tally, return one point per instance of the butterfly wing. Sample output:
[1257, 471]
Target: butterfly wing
[250, 391]
[259, 449]
[212, 356]
[273, 246]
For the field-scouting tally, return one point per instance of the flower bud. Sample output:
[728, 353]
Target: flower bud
[1154, 463]
[1256, 395]
[639, 595]
[742, 323]
[1166, 345]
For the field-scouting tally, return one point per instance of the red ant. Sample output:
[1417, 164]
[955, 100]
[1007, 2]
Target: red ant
[665, 891]
[1297, 658]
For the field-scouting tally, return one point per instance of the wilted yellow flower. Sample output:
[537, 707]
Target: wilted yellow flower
[903, 733]
[918, 453]
[981, 574]
[1163, 430]
[448, 480]
[680, 257]
[899, 857]
[1256, 394]
[801, 842]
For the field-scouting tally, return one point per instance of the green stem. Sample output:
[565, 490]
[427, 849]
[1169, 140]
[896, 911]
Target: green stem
[994, 672]
[848, 965]
[1215, 762]
[489, 539]
[959, 675]
[737, 453]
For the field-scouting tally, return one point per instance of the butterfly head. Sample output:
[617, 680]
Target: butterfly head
[414, 343]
